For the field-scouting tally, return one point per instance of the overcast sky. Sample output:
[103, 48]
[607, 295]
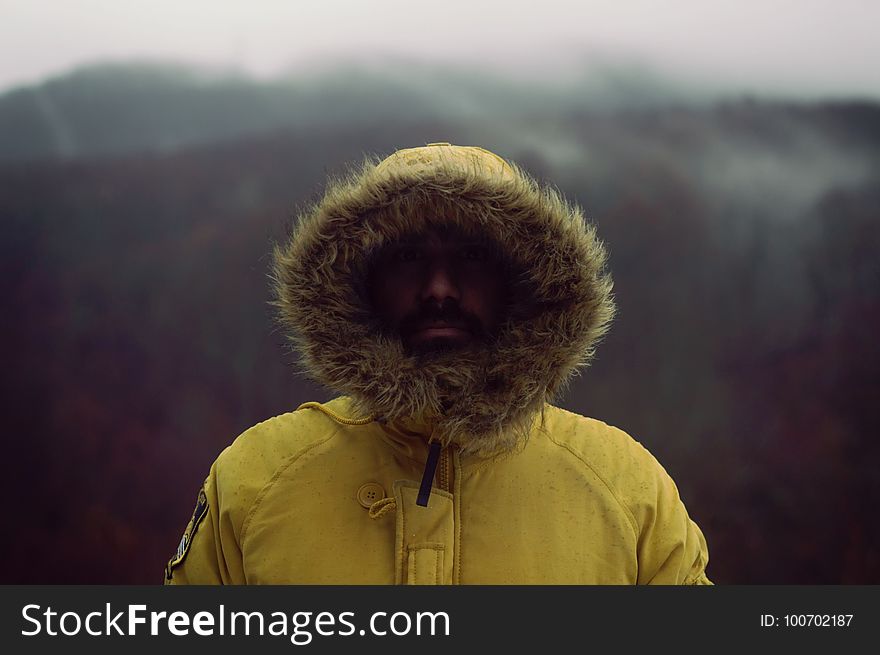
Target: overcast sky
[804, 47]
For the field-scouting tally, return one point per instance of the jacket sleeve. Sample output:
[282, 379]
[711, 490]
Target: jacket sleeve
[209, 552]
[671, 547]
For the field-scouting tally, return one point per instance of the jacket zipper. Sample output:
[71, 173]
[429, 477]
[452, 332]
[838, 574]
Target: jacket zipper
[438, 457]
[445, 477]
[428, 476]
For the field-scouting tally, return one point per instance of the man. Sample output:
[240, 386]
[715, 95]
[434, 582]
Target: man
[449, 299]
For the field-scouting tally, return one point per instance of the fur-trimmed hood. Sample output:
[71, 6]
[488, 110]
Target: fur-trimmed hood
[485, 400]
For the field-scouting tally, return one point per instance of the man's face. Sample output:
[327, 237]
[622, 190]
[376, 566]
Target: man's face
[438, 291]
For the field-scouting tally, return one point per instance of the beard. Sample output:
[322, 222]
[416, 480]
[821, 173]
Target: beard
[438, 348]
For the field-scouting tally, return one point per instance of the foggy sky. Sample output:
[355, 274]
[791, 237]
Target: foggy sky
[778, 47]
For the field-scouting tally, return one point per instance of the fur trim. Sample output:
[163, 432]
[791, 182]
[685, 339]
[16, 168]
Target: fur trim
[483, 399]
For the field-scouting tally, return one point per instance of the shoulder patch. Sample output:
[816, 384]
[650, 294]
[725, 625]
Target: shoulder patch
[183, 547]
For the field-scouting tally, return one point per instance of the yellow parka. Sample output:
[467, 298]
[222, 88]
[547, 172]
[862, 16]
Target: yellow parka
[312, 497]
[523, 493]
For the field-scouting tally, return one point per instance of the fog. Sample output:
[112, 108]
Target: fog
[810, 48]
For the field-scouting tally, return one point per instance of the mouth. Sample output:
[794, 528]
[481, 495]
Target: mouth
[440, 329]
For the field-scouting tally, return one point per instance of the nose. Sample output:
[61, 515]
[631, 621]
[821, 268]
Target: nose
[439, 283]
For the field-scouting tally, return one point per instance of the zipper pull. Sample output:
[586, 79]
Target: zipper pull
[428, 476]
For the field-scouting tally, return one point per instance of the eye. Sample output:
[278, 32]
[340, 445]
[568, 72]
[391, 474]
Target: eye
[475, 254]
[407, 255]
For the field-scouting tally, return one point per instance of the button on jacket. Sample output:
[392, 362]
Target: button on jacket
[523, 492]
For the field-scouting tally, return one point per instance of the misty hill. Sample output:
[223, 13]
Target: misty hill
[137, 339]
[112, 109]
[608, 120]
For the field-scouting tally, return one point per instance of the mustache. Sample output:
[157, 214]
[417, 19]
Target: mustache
[449, 312]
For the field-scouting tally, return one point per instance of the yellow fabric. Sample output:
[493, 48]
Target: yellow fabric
[423, 160]
[582, 503]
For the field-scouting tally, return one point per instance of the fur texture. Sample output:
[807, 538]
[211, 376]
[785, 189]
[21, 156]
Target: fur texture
[486, 399]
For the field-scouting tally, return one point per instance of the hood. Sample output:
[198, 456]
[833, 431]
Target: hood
[485, 400]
